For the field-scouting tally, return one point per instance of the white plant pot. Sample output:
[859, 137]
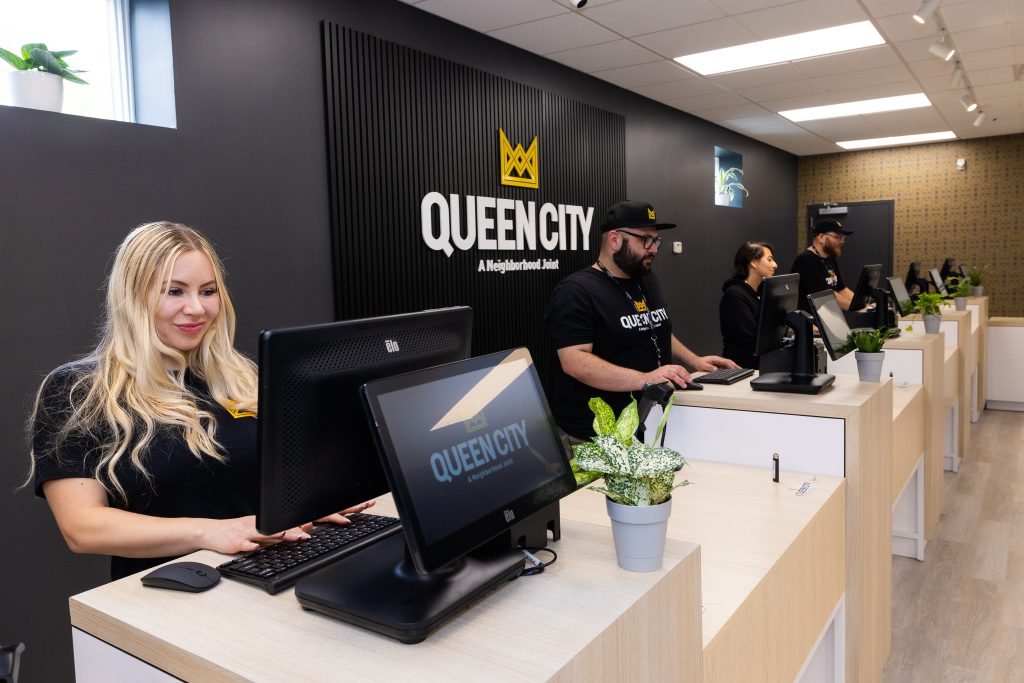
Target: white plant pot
[639, 533]
[960, 302]
[978, 291]
[36, 90]
[932, 323]
[869, 365]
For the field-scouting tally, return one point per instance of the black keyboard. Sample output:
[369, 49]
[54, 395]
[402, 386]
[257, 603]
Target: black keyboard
[278, 566]
[724, 376]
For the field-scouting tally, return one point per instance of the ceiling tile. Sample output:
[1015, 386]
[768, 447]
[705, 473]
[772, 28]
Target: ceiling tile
[752, 78]
[769, 123]
[869, 77]
[709, 35]
[980, 39]
[679, 89]
[908, 121]
[868, 58]
[846, 128]
[804, 15]
[931, 68]
[634, 17]
[735, 112]
[740, 6]
[1002, 90]
[663, 71]
[1017, 33]
[868, 93]
[987, 59]
[764, 93]
[554, 34]
[487, 16]
[1002, 74]
[903, 27]
[709, 101]
[605, 56]
[975, 14]
[886, 8]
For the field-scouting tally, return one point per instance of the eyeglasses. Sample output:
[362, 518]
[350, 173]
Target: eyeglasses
[837, 235]
[648, 241]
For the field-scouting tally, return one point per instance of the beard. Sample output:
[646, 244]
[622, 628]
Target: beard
[832, 249]
[631, 263]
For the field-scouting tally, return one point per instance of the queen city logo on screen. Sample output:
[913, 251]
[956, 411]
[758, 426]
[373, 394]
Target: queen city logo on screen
[518, 165]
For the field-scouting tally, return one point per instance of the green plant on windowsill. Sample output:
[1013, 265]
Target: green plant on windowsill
[958, 286]
[633, 472]
[38, 57]
[928, 304]
[727, 182]
[867, 341]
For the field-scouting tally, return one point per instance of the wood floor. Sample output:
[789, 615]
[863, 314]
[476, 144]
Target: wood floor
[959, 615]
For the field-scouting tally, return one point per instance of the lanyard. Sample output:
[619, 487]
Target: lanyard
[632, 301]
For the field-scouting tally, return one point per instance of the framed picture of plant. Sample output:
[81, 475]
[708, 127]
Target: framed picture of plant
[729, 187]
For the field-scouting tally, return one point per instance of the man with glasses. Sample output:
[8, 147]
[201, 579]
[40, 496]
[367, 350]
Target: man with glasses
[818, 265]
[610, 325]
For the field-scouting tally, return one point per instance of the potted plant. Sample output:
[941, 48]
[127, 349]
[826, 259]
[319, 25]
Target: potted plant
[976, 275]
[867, 346]
[930, 307]
[959, 288]
[638, 479]
[39, 75]
[727, 185]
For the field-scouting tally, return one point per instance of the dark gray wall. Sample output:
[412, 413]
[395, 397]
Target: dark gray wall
[247, 166]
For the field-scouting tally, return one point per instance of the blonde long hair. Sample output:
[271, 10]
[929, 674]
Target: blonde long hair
[125, 391]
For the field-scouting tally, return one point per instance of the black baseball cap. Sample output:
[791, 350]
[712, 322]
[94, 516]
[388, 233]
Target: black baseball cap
[632, 214]
[831, 225]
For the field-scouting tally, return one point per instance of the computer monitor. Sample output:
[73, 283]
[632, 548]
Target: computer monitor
[867, 283]
[904, 303]
[937, 282]
[469, 448]
[317, 454]
[779, 295]
[913, 281]
[787, 362]
[964, 272]
[947, 269]
[828, 316]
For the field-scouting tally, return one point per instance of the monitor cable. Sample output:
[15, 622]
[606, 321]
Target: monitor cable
[538, 565]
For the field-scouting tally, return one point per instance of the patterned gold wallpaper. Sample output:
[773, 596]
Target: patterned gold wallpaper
[975, 215]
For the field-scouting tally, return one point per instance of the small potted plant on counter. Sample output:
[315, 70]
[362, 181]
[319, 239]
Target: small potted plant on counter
[638, 483]
[867, 346]
[977, 275]
[959, 288]
[930, 307]
[39, 75]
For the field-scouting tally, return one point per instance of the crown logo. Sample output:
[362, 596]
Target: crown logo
[640, 306]
[650, 214]
[518, 166]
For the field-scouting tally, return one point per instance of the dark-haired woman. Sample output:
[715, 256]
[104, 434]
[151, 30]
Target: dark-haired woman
[737, 312]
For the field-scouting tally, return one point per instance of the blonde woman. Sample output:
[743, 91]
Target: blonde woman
[146, 448]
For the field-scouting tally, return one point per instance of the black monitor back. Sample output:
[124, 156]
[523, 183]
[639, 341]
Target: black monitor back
[947, 269]
[317, 455]
[828, 316]
[779, 296]
[904, 304]
[937, 281]
[867, 283]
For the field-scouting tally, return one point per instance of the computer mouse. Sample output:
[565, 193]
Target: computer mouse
[183, 576]
[692, 386]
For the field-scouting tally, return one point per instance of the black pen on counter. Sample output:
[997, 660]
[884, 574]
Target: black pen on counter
[775, 467]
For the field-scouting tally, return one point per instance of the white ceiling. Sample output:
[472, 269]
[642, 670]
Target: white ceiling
[631, 43]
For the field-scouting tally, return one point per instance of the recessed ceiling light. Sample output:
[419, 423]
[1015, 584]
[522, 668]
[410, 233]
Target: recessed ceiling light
[898, 140]
[824, 41]
[832, 111]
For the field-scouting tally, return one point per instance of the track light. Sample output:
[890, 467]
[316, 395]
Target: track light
[969, 102]
[927, 9]
[940, 49]
[980, 119]
[956, 79]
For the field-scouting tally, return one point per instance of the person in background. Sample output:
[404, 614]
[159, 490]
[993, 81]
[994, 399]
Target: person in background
[818, 265]
[741, 300]
[145, 449]
[610, 326]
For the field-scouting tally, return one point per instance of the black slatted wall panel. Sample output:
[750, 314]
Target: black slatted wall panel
[401, 124]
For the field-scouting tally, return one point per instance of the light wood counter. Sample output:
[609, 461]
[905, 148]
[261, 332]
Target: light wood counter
[980, 304]
[583, 619]
[1004, 389]
[771, 563]
[846, 429]
[908, 412]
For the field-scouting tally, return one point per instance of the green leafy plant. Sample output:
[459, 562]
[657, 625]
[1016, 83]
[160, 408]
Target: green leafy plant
[633, 472]
[727, 181]
[958, 286]
[38, 57]
[867, 341]
[928, 304]
[976, 275]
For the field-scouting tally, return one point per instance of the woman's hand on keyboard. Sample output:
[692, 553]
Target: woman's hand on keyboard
[340, 518]
[239, 535]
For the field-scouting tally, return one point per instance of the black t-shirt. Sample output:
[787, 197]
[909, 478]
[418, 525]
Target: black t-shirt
[182, 485]
[590, 307]
[816, 274]
[737, 318]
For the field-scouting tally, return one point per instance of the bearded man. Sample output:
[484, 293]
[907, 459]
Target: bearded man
[610, 326]
[818, 265]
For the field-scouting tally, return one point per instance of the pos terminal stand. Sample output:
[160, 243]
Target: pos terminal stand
[803, 379]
